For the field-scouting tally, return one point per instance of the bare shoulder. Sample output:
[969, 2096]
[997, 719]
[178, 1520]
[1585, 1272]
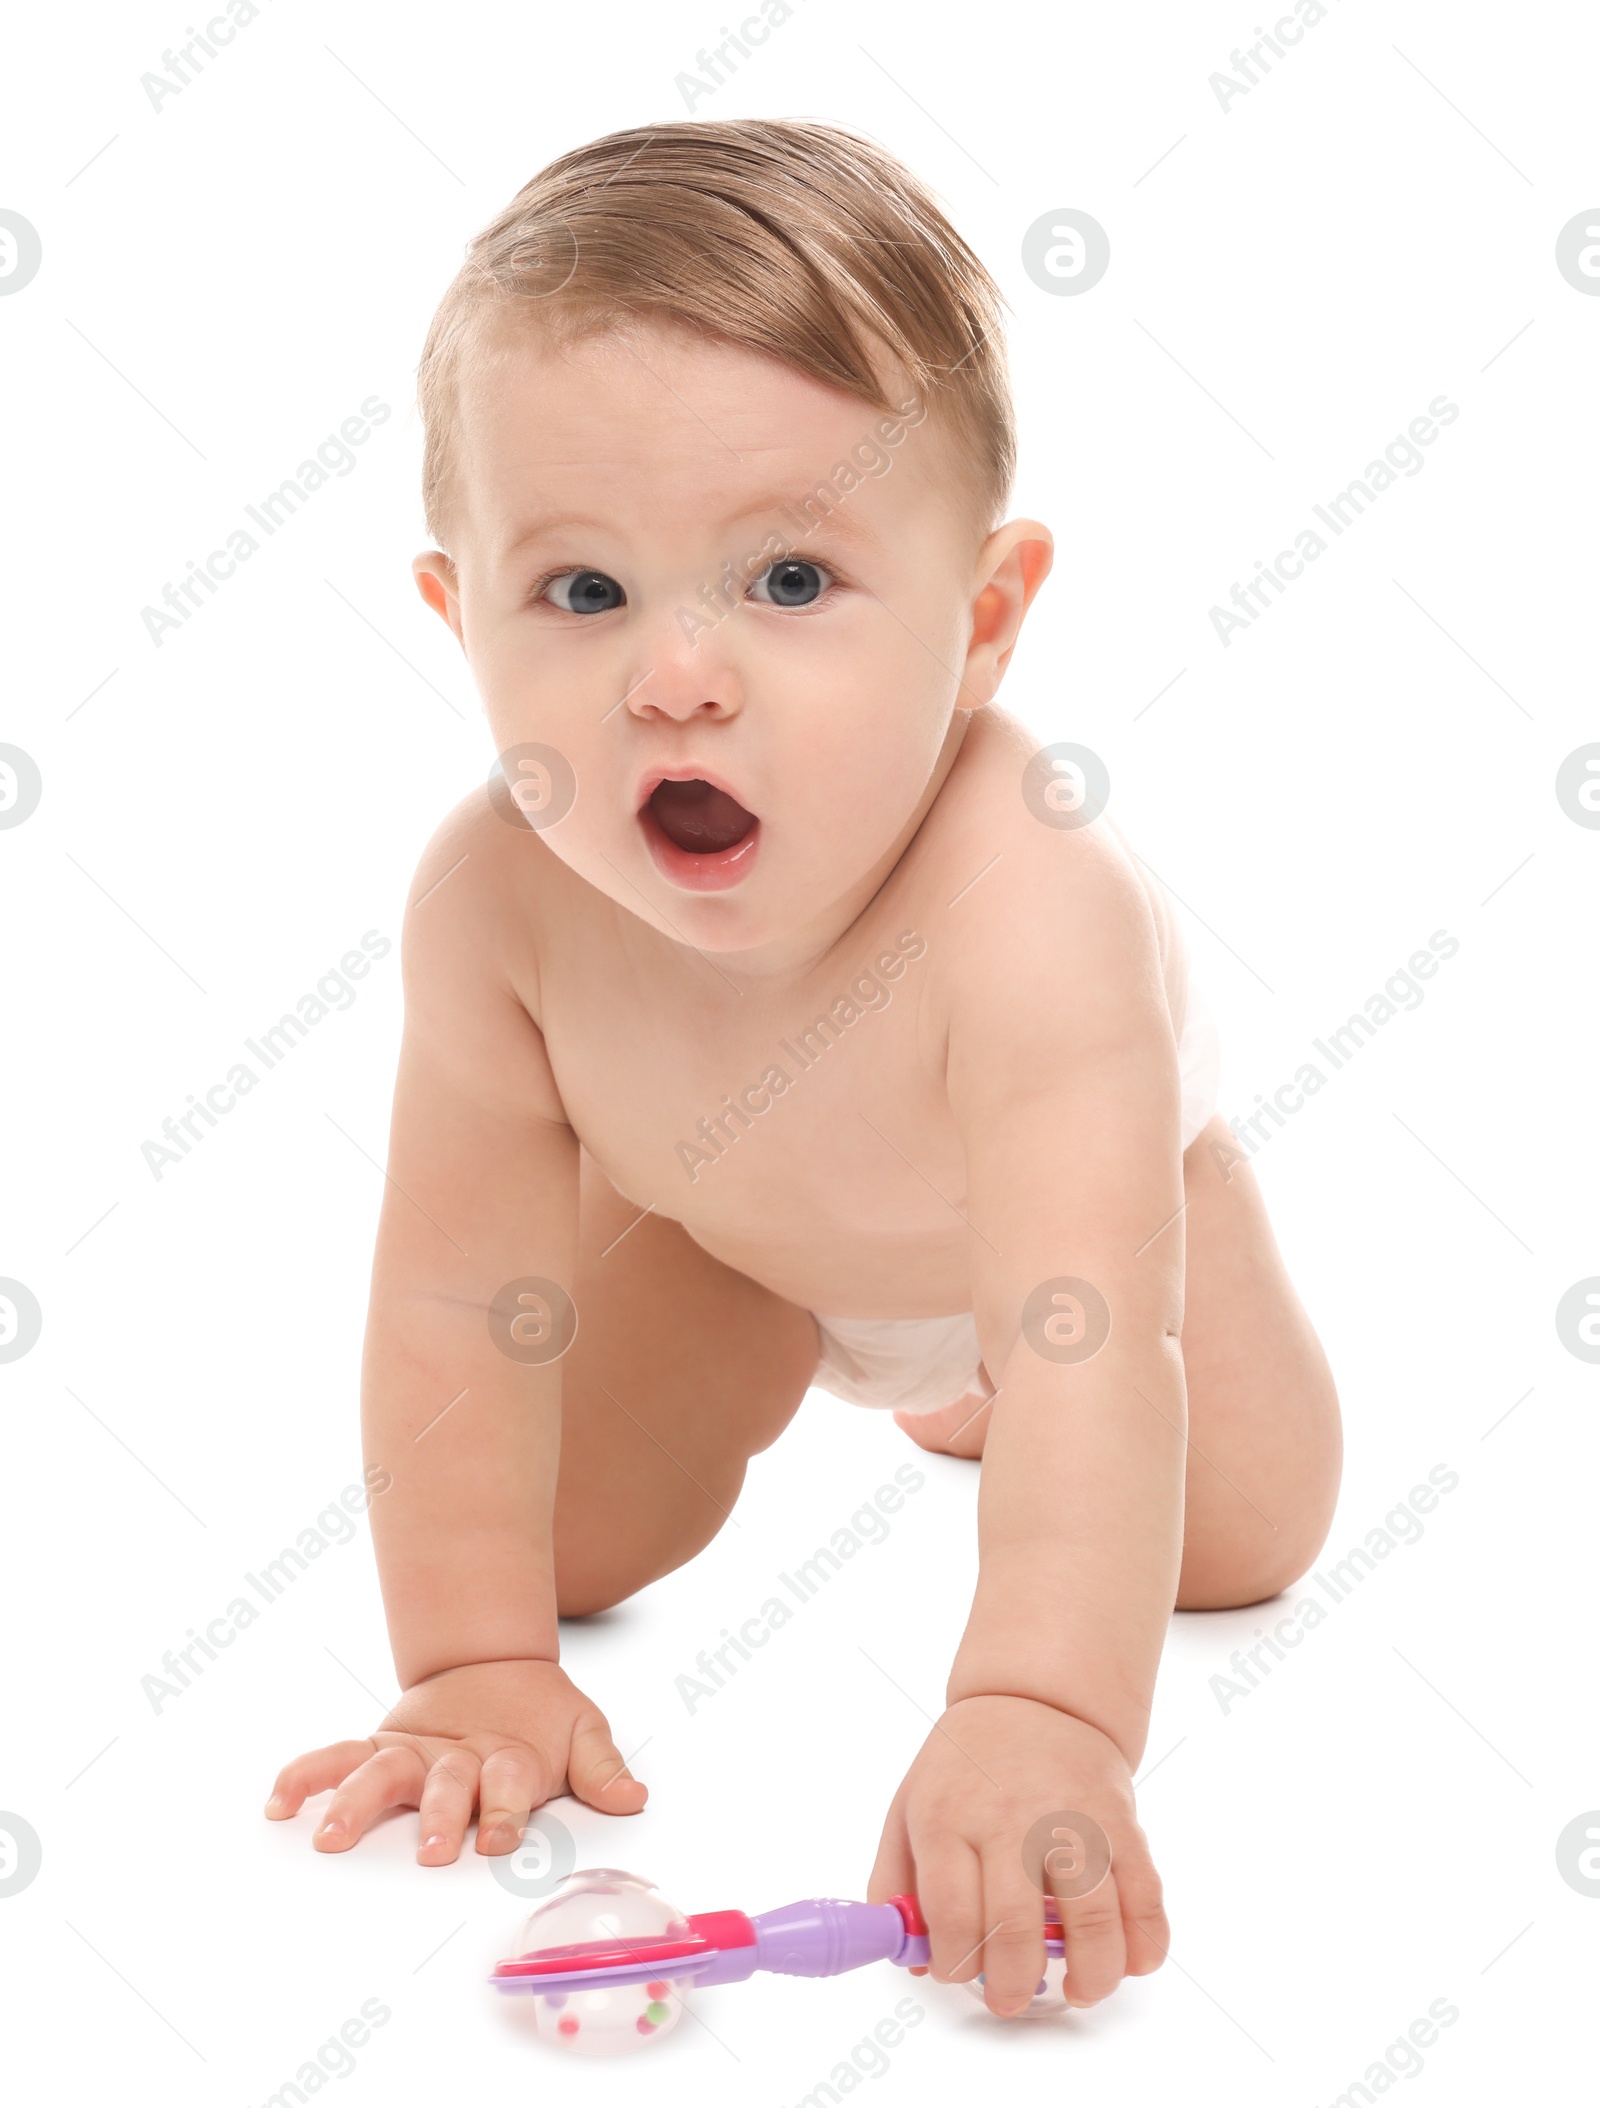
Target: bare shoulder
[469, 954]
[1043, 909]
[481, 890]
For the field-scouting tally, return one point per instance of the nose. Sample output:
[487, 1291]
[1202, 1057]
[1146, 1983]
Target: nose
[686, 672]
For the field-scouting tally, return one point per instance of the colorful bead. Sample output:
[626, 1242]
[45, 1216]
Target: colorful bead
[655, 2012]
[567, 2024]
[557, 1999]
[644, 2025]
[658, 1990]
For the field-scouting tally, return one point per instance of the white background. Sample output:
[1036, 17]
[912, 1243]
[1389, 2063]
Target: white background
[223, 816]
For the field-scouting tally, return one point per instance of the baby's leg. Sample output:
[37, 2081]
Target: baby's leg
[1264, 1444]
[681, 1371]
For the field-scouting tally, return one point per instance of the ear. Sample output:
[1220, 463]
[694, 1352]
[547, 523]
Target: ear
[435, 574]
[1012, 565]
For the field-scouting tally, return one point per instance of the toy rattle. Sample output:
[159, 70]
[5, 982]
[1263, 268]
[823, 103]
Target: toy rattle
[607, 1958]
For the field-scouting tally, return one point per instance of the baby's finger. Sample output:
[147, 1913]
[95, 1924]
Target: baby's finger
[1144, 1920]
[315, 1772]
[448, 1794]
[1013, 1946]
[391, 1779]
[1097, 1954]
[894, 1871]
[950, 1893]
[597, 1771]
[514, 1780]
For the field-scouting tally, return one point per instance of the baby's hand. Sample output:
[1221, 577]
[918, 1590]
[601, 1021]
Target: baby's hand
[500, 1736]
[992, 1769]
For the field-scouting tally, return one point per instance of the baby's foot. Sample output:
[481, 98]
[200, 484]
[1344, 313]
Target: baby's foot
[955, 1430]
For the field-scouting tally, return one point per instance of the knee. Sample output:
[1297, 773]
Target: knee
[1232, 1576]
[584, 1587]
[605, 1551]
[596, 1569]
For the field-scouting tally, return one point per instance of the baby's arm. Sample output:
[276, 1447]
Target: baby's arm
[1062, 1075]
[481, 1191]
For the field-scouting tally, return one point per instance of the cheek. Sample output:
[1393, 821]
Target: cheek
[849, 765]
[864, 696]
[896, 654]
[535, 683]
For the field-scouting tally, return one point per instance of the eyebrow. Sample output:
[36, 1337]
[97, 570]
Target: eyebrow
[776, 507]
[786, 503]
[549, 523]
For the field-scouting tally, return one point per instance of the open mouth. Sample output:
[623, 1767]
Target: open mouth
[701, 837]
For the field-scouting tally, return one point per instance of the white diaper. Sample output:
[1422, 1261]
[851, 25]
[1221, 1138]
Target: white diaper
[921, 1365]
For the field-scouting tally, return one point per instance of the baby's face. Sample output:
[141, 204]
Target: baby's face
[753, 710]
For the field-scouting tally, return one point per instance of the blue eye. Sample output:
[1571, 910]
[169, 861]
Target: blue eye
[791, 583]
[585, 593]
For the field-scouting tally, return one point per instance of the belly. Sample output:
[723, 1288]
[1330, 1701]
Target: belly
[849, 1275]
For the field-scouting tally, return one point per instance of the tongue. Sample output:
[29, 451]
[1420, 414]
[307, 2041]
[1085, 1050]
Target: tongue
[698, 818]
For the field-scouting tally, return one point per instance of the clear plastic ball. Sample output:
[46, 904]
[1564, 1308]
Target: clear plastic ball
[1050, 1997]
[602, 1903]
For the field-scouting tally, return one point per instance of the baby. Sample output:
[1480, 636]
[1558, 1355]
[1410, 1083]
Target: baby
[784, 1015]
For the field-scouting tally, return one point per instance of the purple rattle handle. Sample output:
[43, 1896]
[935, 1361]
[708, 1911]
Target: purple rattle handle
[820, 1937]
[825, 1936]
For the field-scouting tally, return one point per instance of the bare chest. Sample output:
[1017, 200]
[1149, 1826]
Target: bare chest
[803, 1136]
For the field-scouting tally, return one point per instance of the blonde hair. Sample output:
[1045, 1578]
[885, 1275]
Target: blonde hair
[804, 242]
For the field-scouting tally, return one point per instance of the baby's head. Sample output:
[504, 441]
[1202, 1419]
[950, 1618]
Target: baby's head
[718, 441]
